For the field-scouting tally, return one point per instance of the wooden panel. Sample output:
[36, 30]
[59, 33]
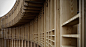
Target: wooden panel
[58, 24]
[13, 33]
[39, 29]
[47, 22]
[7, 33]
[44, 24]
[70, 24]
[10, 34]
[83, 20]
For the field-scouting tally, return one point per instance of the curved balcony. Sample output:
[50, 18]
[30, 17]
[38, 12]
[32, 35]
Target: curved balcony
[22, 12]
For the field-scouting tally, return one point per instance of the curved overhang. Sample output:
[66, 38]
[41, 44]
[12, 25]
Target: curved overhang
[21, 13]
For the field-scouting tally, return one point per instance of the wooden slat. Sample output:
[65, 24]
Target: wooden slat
[34, 1]
[74, 20]
[71, 35]
[68, 46]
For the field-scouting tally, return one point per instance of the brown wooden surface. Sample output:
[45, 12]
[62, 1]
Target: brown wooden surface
[49, 23]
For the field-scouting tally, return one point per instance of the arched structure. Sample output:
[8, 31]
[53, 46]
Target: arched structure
[44, 23]
[22, 12]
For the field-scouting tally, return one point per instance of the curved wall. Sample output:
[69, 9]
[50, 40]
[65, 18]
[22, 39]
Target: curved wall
[6, 6]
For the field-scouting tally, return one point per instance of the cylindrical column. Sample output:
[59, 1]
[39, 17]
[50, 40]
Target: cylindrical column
[24, 43]
[27, 44]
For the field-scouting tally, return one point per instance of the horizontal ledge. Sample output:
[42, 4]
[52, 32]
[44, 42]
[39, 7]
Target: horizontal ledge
[32, 6]
[51, 35]
[74, 20]
[68, 46]
[71, 35]
[33, 1]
